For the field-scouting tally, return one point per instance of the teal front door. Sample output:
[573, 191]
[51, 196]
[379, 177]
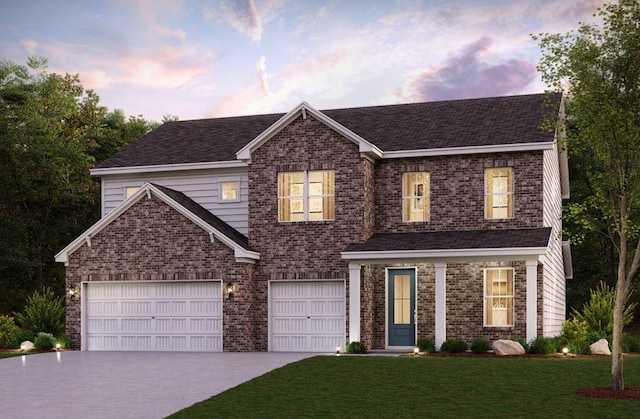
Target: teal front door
[402, 305]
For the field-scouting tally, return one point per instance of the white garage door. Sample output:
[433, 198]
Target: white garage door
[154, 316]
[307, 316]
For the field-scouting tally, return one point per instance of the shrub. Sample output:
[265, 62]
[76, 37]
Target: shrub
[454, 346]
[64, 341]
[8, 332]
[44, 312]
[44, 342]
[521, 341]
[630, 343]
[480, 346]
[543, 345]
[426, 345]
[23, 335]
[597, 313]
[356, 348]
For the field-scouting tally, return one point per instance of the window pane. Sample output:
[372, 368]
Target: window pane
[229, 190]
[130, 190]
[415, 194]
[499, 193]
[499, 297]
[402, 299]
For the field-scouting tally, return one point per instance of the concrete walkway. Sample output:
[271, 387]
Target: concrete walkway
[123, 384]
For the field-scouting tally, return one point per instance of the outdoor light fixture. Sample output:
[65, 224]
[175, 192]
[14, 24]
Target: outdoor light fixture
[416, 350]
[73, 291]
[231, 289]
[565, 351]
[338, 350]
[58, 347]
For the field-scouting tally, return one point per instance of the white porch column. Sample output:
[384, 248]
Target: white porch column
[354, 302]
[441, 303]
[532, 299]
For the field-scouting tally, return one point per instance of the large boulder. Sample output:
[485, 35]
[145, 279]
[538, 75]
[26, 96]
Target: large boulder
[505, 347]
[600, 347]
[27, 345]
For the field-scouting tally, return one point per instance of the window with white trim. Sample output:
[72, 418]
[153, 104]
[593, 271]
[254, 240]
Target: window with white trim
[229, 191]
[498, 297]
[498, 193]
[306, 196]
[415, 196]
[130, 190]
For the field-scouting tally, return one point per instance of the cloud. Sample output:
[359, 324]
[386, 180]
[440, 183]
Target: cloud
[243, 16]
[262, 75]
[470, 73]
[30, 45]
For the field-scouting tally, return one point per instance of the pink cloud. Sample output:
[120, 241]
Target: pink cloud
[468, 74]
[261, 70]
[242, 16]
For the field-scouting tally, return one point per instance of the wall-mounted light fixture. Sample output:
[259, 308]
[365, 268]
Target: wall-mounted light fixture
[232, 289]
[74, 292]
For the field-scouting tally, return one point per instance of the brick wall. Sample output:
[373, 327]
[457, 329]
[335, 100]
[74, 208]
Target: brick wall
[152, 241]
[305, 250]
[457, 191]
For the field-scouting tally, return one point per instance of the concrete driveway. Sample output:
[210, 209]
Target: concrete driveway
[123, 384]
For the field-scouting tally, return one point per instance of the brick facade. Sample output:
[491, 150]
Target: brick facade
[457, 192]
[305, 250]
[151, 241]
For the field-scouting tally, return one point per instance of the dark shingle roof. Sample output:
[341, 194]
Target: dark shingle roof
[455, 240]
[206, 216]
[414, 126]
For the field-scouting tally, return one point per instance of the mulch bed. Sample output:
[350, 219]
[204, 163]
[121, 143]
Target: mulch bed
[629, 393]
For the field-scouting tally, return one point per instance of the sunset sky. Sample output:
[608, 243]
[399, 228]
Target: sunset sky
[200, 59]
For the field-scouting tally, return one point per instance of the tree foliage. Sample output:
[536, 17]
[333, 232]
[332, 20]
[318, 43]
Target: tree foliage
[52, 131]
[599, 69]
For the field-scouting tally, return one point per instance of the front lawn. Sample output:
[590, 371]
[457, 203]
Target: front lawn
[10, 354]
[368, 386]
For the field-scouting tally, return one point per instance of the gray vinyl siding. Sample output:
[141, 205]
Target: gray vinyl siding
[201, 186]
[554, 296]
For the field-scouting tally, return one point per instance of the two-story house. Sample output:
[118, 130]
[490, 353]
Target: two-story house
[308, 230]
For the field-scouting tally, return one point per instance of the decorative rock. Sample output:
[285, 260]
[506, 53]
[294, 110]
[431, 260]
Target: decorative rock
[600, 347]
[27, 345]
[504, 347]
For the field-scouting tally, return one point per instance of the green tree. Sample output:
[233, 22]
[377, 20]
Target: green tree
[598, 66]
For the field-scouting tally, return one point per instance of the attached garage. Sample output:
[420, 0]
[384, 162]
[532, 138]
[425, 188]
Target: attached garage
[306, 316]
[153, 316]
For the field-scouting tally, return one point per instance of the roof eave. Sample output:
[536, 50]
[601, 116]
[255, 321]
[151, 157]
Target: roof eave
[449, 151]
[493, 253]
[126, 170]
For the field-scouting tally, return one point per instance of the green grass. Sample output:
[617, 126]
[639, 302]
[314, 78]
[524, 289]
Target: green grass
[10, 354]
[437, 387]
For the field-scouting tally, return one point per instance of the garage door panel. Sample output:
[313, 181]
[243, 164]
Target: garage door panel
[179, 316]
[307, 316]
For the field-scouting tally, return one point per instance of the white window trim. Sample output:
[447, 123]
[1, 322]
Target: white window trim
[228, 180]
[305, 197]
[427, 198]
[512, 296]
[511, 194]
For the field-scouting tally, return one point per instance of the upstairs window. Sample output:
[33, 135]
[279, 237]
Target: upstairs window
[130, 190]
[229, 191]
[415, 196]
[498, 193]
[498, 306]
[306, 196]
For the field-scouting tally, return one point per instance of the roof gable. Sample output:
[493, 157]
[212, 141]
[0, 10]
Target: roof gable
[216, 228]
[304, 110]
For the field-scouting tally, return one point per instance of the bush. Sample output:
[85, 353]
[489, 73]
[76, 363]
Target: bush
[8, 332]
[426, 345]
[630, 343]
[44, 312]
[44, 342]
[454, 346]
[597, 313]
[543, 345]
[356, 348]
[23, 335]
[521, 341]
[480, 346]
[64, 341]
